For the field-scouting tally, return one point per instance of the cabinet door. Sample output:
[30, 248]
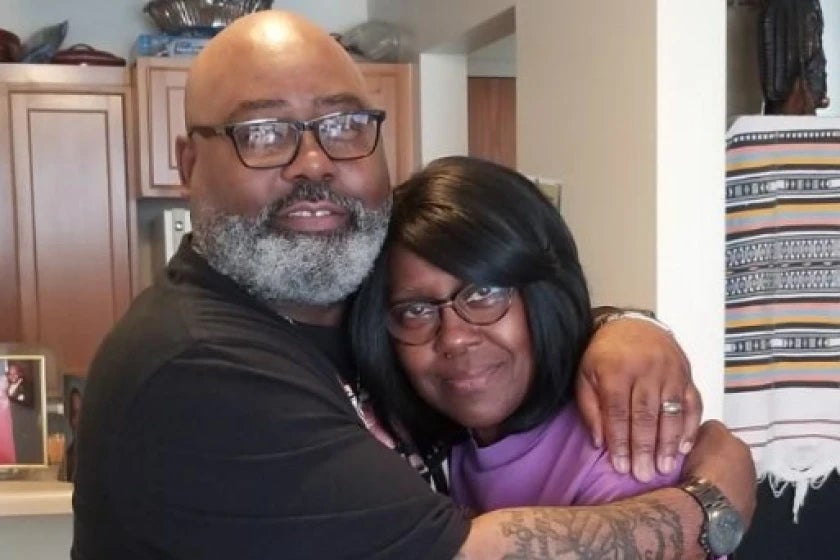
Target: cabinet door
[71, 210]
[390, 88]
[160, 86]
[492, 119]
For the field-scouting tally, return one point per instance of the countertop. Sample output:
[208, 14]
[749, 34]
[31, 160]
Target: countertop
[35, 497]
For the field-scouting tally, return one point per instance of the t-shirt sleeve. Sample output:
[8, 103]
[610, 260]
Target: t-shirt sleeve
[225, 456]
[603, 484]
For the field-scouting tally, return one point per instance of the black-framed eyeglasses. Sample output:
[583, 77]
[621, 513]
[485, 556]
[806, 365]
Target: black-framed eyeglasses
[267, 143]
[417, 322]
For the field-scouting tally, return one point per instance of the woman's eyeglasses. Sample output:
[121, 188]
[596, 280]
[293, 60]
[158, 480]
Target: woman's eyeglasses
[417, 322]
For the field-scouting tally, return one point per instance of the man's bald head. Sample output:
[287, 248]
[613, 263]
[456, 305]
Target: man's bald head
[244, 61]
[302, 235]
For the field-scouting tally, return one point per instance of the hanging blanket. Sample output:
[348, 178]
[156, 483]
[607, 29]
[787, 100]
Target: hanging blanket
[783, 297]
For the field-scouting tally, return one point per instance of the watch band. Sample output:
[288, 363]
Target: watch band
[711, 500]
[695, 488]
[611, 316]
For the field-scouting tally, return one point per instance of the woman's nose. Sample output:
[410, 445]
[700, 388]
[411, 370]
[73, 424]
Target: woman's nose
[455, 334]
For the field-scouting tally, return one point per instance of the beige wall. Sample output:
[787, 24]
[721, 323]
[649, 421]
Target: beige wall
[586, 93]
[587, 115]
[743, 84]
[624, 102]
[438, 24]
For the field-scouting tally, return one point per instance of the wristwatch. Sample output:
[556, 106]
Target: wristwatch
[723, 527]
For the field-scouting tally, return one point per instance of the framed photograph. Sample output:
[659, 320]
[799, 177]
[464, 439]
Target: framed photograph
[74, 390]
[23, 411]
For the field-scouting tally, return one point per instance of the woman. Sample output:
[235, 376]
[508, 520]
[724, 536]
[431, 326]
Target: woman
[472, 324]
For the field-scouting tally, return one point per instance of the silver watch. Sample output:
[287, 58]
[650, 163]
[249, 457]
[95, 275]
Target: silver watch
[723, 527]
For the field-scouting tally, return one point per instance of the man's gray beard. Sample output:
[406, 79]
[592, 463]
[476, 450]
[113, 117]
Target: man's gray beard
[288, 266]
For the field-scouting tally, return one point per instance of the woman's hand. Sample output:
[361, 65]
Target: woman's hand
[629, 369]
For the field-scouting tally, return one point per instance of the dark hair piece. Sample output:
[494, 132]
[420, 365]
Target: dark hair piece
[791, 57]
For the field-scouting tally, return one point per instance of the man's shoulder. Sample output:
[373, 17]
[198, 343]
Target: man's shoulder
[170, 318]
[170, 354]
[165, 324]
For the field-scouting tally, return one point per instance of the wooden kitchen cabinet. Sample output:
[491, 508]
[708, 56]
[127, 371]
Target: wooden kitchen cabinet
[160, 84]
[390, 87]
[66, 235]
[491, 104]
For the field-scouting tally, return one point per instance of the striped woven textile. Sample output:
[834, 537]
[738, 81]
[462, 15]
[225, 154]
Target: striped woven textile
[783, 296]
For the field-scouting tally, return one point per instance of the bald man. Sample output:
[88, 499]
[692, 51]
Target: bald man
[221, 415]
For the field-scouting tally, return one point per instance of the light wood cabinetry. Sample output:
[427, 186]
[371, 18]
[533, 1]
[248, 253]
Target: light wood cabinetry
[390, 87]
[66, 237]
[492, 119]
[160, 86]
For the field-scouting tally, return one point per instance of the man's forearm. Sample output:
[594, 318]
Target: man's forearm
[659, 525]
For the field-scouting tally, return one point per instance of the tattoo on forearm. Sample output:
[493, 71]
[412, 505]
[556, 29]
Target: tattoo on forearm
[641, 529]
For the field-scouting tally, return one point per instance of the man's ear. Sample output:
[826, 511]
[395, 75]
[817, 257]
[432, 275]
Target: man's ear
[185, 152]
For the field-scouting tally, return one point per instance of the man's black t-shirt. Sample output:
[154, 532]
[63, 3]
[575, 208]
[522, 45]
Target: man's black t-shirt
[213, 428]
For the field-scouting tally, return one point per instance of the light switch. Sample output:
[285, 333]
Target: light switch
[551, 189]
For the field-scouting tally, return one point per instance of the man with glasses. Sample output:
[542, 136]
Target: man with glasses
[222, 417]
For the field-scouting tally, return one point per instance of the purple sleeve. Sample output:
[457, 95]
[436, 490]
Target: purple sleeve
[603, 484]
[600, 483]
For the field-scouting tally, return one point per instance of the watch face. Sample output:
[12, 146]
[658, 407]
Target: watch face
[725, 531]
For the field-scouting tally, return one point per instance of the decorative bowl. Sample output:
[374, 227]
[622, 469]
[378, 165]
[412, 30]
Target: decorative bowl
[10, 46]
[83, 54]
[177, 17]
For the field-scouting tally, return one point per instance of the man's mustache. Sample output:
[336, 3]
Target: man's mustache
[314, 191]
[310, 191]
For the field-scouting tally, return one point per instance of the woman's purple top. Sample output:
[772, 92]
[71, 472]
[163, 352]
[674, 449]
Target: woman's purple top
[554, 464]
